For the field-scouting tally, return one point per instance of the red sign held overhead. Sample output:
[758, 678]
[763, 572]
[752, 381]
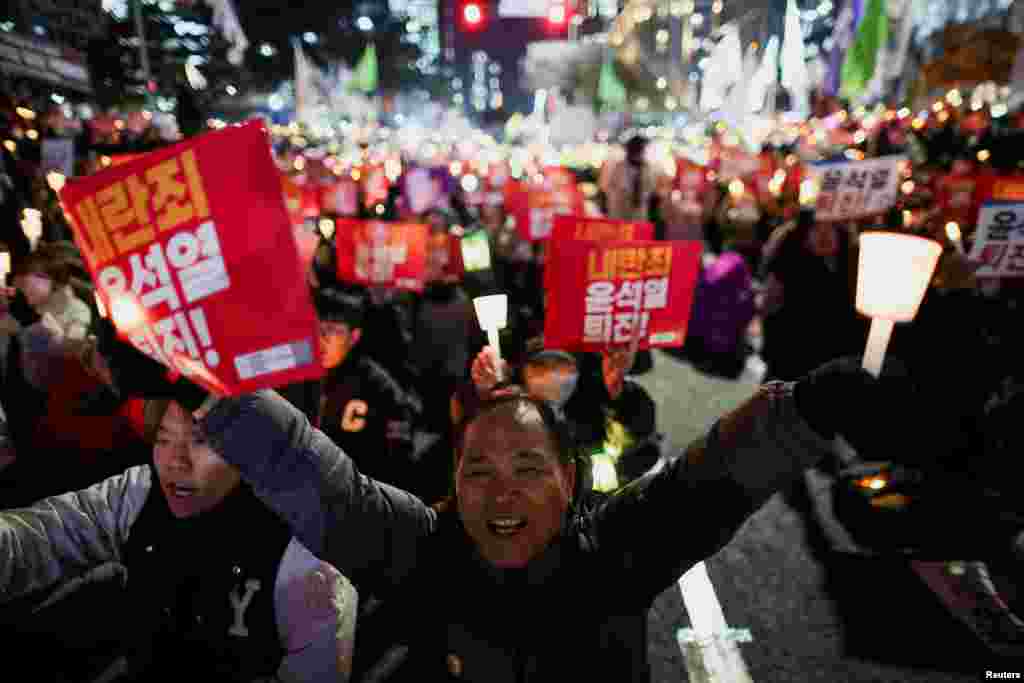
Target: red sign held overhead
[594, 230]
[606, 294]
[188, 278]
[534, 206]
[379, 254]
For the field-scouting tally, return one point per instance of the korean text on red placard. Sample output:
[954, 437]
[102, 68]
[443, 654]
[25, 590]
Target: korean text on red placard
[623, 285]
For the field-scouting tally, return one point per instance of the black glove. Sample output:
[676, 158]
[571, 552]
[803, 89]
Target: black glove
[873, 415]
[21, 311]
[136, 375]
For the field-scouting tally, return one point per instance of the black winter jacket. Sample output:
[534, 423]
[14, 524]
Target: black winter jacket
[581, 606]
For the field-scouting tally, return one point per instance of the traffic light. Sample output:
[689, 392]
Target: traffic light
[472, 15]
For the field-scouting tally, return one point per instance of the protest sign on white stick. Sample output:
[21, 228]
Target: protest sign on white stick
[998, 242]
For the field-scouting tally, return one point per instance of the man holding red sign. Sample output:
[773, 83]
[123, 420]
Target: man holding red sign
[514, 542]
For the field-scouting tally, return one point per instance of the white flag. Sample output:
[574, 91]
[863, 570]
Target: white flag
[766, 77]
[724, 67]
[308, 88]
[794, 69]
[225, 18]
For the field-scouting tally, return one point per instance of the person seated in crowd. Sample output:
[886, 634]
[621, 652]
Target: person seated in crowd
[217, 586]
[463, 579]
[43, 312]
[357, 403]
[45, 371]
[809, 275]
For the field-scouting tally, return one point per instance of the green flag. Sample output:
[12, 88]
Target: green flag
[365, 76]
[610, 90]
[862, 57]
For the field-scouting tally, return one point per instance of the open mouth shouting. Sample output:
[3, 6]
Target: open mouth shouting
[180, 490]
[506, 525]
[182, 497]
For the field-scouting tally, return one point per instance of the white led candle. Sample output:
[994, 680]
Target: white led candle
[894, 272]
[492, 312]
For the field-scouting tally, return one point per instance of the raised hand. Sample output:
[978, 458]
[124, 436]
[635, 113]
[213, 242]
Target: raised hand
[487, 371]
[131, 373]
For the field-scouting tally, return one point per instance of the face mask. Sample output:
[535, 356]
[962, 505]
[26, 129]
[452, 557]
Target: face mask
[555, 386]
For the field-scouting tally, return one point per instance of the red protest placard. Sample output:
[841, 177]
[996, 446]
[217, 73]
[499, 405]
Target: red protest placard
[340, 197]
[119, 159]
[535, 209]
[376, 186]
[192, 252]
[599, 229]
[375, 253]
[306, 242]
[600, 287]
[292, 199]
[592, 229]
[310, 201]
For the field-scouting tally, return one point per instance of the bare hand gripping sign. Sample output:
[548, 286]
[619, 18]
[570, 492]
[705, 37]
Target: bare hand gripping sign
[193, 253]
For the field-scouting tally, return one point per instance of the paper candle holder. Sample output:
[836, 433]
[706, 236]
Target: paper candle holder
[893, 276]
[492, 311]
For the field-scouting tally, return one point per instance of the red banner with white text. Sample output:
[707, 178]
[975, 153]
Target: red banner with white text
[380, 254]
[604, 294]
[192, 252]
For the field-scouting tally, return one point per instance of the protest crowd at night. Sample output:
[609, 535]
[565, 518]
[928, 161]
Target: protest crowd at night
[331, 392]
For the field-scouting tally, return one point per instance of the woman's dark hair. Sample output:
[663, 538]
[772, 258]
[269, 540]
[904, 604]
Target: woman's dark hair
[60, 261]
[554, 422]
[153, 411]
[791, 252]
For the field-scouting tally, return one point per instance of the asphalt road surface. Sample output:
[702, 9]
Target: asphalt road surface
[814, 616]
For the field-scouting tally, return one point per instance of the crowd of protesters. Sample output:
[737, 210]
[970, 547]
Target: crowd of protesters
[452, 491]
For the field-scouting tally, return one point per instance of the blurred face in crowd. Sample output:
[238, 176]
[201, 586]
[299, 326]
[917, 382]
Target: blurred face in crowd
[192, 476]
[823, 240]
[336, 342]
[437, 256]
[512, 489]
[36, 286]
[492, 217]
